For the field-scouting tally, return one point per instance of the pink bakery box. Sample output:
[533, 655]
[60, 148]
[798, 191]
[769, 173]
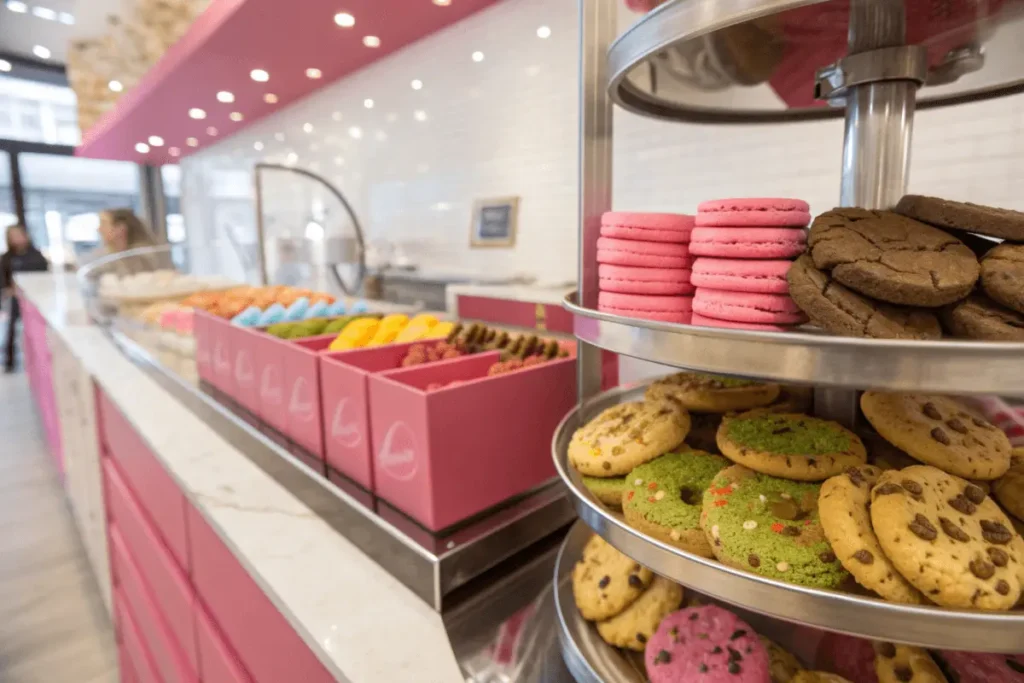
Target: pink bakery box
[204, 346]
[445, 455]
[213, 350]
[344, 388]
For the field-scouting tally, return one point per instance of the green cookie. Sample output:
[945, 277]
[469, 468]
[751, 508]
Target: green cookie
[769, 526]
[281, 330]
[607, 490]
[663, 498]
[337, 325]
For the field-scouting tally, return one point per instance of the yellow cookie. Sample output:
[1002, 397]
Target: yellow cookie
[905, 664]
[704, 393]
[627, 435]
[1009, 488]
[605, 582]
[637, 623]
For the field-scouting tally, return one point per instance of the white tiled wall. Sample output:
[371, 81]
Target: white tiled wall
[507, 126]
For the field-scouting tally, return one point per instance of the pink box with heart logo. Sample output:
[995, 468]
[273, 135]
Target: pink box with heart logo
[301, 381]
[444, 455]
[344, 387]
[204, 346]
[213, 342]
[243, 350]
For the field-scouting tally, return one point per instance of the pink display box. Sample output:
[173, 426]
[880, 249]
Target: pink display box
[301, 381]
[443, 456]
[204, 346]
[344, 388]
[243, 353]
[213, 349]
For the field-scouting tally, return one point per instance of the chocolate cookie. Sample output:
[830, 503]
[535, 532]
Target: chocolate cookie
[892, 258]
[839, 310]
[905, 664]
[938, 431]
[947, 538]
[978, 317]
[704, 393]
[605, 582]
[627, 435]
[945, 213]
[1002, 275]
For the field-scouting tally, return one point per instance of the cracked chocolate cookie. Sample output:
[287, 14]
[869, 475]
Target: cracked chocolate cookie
[938, 431]
[1002, 275]
[703, 393]
[789, 445]
[605, 582]
[978, 317]
[892, 258]
[839, 310]
[945, 213]
[905, 664]
[846, 519]
[947, 538]
[627, 435]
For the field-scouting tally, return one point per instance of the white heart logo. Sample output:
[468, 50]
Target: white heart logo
[301, 403]
[220, 358]
[270, 385]
[344, 433]
[243, 370]
[397, 454]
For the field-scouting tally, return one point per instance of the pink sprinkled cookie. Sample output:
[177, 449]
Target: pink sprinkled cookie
[631, 280]
[647, 227]
[672, 309]
[745, 307]
[753, 243]
[704, 321]
[754, 212]
[620, 252]
[981, 667]
[739, 275]
[707, 644]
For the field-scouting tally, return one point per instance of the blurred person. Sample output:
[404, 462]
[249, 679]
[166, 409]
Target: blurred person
[21, 257]
[121, 230]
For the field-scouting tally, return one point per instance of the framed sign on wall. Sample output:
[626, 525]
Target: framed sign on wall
[494, 222]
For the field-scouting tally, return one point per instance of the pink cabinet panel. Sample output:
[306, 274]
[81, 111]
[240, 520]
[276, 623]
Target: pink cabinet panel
[218, 661]
[125, 666]
[269, 648]
[170, 586]
[162, 499]
[160, 641]
[143, 667]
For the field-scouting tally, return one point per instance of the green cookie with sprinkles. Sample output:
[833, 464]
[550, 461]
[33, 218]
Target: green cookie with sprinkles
[769, 526]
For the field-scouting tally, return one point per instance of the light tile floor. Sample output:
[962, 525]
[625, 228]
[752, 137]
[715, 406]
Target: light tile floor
[53, 627]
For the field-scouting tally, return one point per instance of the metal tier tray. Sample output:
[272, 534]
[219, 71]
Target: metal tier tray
[755, 60]
[830, 610]
[952, 367]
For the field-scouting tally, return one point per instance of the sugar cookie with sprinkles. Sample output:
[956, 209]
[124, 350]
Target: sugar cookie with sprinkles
[627, 435]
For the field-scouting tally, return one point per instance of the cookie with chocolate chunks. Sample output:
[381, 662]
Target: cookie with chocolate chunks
[605, 582]
[905, 664]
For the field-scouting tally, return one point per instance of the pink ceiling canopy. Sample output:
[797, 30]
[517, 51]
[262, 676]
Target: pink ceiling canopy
[230, 40]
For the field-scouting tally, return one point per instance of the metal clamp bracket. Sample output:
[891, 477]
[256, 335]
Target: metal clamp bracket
[902, 63]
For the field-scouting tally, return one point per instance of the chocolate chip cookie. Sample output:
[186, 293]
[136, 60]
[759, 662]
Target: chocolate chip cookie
[846, 519]
[703, 393]
[1002, 275]
[632, 627]
[783, 665]
[945, 213]
[938, 431]
[605, 582]
[839, 310]
[947, 538]
[905, 664]
[892, 258]
[1009, 488]
[978, 317]
[627, 435]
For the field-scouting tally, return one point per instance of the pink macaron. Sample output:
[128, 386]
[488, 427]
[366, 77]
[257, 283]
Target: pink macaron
[754, 243]
[632, 280]
[647, 227]
[704, 321]
[753, 212]
[619, 252]
[746, 307]
[740, 275]
[672, 309]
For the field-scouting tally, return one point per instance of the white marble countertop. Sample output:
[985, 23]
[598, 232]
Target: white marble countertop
[362, 624]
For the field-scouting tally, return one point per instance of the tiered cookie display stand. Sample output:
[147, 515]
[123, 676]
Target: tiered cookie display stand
[873, 61]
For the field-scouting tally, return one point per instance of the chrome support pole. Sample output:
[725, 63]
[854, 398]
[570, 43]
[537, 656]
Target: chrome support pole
[598, 28]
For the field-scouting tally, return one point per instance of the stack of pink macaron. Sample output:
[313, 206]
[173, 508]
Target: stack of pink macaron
[745, 248]
[645, 266]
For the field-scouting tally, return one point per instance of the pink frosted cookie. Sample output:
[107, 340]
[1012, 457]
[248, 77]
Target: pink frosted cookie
[647, 227]
[739, 275]
[745, 307]
[753, 212]
[672, 309]
[644, 254]
[706, 644]
[630, 280]
[850, 657]
[981, 667]
[704, 321]
[756, 243]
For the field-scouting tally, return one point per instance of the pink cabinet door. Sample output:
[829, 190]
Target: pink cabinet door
[141, 660]
[218, 661]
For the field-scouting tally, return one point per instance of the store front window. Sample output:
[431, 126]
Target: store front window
[37, 112]
[8, 212]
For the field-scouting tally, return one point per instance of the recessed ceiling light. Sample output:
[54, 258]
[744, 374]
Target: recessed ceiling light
[225, 97]
[442, 3]
[115, 86]
[356, 132]
[44, 13]
[196, 113]
[419, 115]
[270, 98]
[307, 127]
[174, 151]
[336, 116]
[344, 19]
[67, 18]
[371, 41]
[339, 161]
[258, 146]
[544, 32]
[236, 116]
[313, 73]
[259, 75]
[292, 157]
[156, 141]
[368, 103]
[5, 65]
[417, 84]
[478, 56]
[17, 6]
[192, 142]
[279, 137]
[211, 130]
[141, 147]
[41, 52]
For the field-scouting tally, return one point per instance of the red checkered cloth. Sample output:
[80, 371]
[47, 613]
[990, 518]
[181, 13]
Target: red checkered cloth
[1009, 418]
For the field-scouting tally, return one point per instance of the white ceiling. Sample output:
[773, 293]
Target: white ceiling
[20, 32]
